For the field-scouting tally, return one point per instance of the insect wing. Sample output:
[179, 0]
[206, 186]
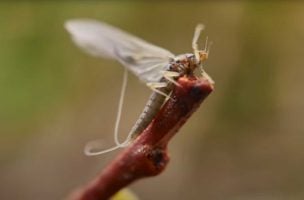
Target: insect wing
[102, 40]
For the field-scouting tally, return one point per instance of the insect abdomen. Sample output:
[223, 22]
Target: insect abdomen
[153, 105]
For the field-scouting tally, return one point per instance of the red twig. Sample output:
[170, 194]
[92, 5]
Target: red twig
[147, 155]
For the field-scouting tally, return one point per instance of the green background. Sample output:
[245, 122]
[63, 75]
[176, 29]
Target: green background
[245, 142]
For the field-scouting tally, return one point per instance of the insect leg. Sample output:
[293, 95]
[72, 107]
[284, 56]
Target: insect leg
[155, 86]
[197, 32]
[206, 76]
[169, 75]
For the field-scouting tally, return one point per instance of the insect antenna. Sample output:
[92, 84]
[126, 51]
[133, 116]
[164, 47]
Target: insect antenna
[209, 47]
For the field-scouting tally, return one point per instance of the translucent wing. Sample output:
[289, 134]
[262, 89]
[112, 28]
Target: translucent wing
[100, 39]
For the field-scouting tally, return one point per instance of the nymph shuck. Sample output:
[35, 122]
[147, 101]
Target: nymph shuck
[156, 67]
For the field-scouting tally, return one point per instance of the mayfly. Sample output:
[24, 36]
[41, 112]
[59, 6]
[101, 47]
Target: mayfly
[153, 65]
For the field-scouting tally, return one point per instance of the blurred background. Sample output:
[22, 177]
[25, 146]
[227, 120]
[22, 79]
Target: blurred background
[246, 142]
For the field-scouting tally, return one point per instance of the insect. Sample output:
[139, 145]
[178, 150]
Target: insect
[153, 65]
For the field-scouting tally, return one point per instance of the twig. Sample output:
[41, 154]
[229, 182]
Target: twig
[147, 155]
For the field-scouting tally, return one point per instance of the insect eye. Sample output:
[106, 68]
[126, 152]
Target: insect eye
[203, 55]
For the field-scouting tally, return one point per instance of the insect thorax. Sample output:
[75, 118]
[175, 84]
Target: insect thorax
[184, 64]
